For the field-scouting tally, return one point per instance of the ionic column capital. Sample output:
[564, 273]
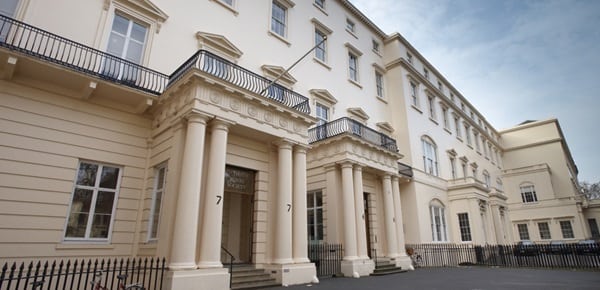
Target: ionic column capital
[197, 117]
[346, 164]
[221, 124]
[284, 144]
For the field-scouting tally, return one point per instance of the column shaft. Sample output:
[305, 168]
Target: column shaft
[283, 206]
[499, 230]
[210, 245]
[185, 231]
[390, 227]
[300, 236]
[398, 215]
[361, 232]
[350, 252]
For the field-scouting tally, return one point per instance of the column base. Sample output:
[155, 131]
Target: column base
[293, 274]
[200, 279]
[358, 268]
[404, 262]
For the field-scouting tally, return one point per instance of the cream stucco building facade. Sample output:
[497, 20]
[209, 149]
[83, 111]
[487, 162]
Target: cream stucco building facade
[152, 128]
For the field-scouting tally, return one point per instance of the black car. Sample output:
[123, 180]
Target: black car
[526, 248]
[558, 247]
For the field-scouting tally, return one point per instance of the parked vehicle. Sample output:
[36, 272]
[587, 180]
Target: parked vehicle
[588, 247]
[526, 248]
[558, 247]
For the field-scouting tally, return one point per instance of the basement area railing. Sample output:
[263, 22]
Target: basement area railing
[346, 125]
[30, 40]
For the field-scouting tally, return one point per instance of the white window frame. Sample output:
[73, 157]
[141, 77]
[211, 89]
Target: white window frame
[468, 134]
[124, 72]
[430, 161]
[409, 57]
[159, 189]
[453, 167]
[439, 228]
[314, 210]
[379, 84]
[445, 117]
[350, 26]
[414, 94]
[92, 210]
[465, 227]
[274, 26]
[457, 127]
[320, 4]
[566, 228]
[431, 104]
[544, 231]
[319, 36]
[523, 231]
[528, 194]
[426, 73]
[353, 67]
[487, 179]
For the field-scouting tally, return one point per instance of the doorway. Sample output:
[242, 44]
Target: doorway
[238, 207]
[367, 223]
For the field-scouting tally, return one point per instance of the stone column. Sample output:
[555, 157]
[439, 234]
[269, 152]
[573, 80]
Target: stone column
[361, 232]
[390, 227]
[398, 215]
[210, 240]
[350, 252]
[300, 237]
[499, 228]
[185, 231]
[283, 206]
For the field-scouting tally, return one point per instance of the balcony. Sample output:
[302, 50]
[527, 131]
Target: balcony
[229, 72]
[41, 44]
[351, 127]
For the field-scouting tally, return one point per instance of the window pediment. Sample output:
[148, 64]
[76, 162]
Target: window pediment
[219, 44]
[451, 152]
[273, 71]
[379, 68]
[145, 7]
[385, 127]
[353, 49]
[324, 96]
[358, 113]
[474, 165]
[464, 159]
[287, 3]
[321, 26]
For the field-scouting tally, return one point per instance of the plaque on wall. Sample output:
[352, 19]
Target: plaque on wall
[239, 180]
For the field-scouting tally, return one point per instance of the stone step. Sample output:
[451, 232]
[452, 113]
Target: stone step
[251, 278]
[387, 271]
[254, 285]
[248, 277]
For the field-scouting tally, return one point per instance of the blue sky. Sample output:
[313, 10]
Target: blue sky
[514, 60]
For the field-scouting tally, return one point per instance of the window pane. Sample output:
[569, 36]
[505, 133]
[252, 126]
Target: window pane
[319, 199]
[104, 202]
[138, 32]
[120, 24]
[161, 178]
[110, 176]
[102, 216]
[310, 200]
[87, 174]
[80, 209]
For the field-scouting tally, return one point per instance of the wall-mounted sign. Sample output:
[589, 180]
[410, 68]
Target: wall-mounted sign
[239, 180]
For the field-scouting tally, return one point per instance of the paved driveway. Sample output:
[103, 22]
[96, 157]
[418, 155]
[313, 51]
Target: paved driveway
[471, 278]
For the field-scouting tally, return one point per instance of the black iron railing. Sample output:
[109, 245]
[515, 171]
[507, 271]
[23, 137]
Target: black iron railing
[346, 125]
[231, 259]
[572, 256]
[81, 274]
[241, 77]
[405, 169]
[30, 40]
[327, 258]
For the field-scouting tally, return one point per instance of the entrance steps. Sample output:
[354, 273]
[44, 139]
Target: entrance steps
[383, 266]
[248, 277]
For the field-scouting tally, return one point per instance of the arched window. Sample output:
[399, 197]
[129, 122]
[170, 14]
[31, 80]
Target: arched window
[430, 162]
[439, 232]
[528, 193]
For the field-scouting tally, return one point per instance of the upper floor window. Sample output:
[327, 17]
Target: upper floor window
[93, 202]
[468, 134]
[457, 127]
[8, 7]
[320, 3]
[414, 94]
[476, 137]
[278, 19]
[528, 193]
[453, 167]
[439, 231]
[376, 46]
[127, 40]
[440, 86]
[426, 73]
[353, 67]
[228, 2]
[431, 105]
[523, 231]
[430, 163]
[409, 57]
[465, 228]
[160, 180]
[350, 26]
[322, 113]
[452, 97]
[314, 208]
[499, 184]
[445, 116]
[487, 179]
[567, 230]
[379, 84]
[321, 42]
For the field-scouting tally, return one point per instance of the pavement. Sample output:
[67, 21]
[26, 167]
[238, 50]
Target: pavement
[469, 278]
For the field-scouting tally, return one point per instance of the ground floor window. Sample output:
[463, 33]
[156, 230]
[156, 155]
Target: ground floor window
[594, 228]
[160, 180]
[544, 231]
[315, 216]
[438, 223]
[93, 202]
[523, 231]
[567, 230]
[465, 228]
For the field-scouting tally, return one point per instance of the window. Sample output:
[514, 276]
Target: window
[379, 84]
[465, 228]
[499, 184]
[431, 104]
[544, 231]
[486, 179]
[93, 202]
[159, 189]
[476, 137]
[426, 73]
[320, 3]
[457, 127]
[350, 26]
[278, 18]
[453, 167]
[464, 169]
[322, 113]
[376, 46]
[440, 86]
[452, 97]
[462, 107]
[468, 135]
[489, 151]
[474, 170]
[445, 116]
[126, 41]
[566, 229]
[414, 95]
[594, 228]
[523, 231]
[7, 8]
[353, 67]
[430, 164]
[409, 57]
[315, 216]
[438, 223]
[321, 49]
[528, 194]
